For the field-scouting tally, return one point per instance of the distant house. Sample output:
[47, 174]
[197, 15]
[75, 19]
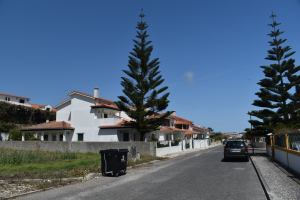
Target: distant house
[23, 101]
[202, 131]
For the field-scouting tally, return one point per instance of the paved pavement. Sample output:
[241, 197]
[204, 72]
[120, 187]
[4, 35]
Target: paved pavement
[197, 175]
[280, 181]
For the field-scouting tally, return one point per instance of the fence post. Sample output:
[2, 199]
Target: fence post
[287, 146]
[272, 138]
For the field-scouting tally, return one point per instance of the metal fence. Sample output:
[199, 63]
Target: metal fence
[280, 141]
[268, 140]
[294, 141]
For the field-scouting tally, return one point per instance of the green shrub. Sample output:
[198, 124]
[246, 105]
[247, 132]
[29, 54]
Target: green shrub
[16, 135]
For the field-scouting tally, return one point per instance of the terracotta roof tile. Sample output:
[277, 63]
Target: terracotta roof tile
[105, 105]
[158, 115]
[188, 132]
[120, 124]
[167, 128]
[180, 120]
[49, 125]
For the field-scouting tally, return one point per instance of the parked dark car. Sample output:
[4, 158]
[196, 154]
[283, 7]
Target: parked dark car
[236, 149]
[224, 142]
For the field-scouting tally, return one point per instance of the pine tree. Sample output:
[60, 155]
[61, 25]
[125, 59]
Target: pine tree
[278, 103]
[142, 98]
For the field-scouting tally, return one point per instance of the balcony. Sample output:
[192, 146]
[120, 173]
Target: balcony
[107, 121]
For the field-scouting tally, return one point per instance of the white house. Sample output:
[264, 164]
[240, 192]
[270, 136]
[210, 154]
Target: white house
[88, 118]
[23, 101]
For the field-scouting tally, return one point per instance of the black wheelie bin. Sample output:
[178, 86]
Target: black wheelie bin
[113, 161]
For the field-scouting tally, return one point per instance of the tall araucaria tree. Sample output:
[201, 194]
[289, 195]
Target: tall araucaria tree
[142, 97]
[274, 96]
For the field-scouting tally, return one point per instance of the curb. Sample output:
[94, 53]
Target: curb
[262, 180]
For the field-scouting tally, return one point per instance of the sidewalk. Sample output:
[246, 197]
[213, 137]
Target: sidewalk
[280, 182]
[187, 151]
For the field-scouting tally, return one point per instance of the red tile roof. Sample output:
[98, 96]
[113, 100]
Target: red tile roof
[158, 115]
[188, 132]
[180, 120]
[106, 106]
[167, 128]
[120, 124]
[49, 125]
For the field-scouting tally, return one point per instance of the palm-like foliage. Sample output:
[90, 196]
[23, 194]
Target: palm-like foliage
[274, 96]
[141, 97]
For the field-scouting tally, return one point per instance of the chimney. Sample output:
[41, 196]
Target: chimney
[96, 92]
[174, 113]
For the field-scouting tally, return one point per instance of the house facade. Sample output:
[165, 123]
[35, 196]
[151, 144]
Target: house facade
[86, 117]
[91, 118]
[23, 101]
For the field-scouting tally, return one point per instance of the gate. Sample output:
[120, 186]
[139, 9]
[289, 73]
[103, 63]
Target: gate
[187, 144]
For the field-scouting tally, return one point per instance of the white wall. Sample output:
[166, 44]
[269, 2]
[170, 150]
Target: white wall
[4, 136]
[168, 150]
[15, 100]
[281, 156]
[108, 135]
[294, 162]
[64, 112]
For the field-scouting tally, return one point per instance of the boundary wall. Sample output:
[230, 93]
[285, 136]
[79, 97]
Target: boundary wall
[287, 156]
[144, 148]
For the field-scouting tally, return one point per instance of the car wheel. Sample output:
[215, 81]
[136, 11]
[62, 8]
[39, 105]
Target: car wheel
[247, 159]
[225, 159]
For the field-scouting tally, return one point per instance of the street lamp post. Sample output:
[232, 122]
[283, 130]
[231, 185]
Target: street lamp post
[252, 136]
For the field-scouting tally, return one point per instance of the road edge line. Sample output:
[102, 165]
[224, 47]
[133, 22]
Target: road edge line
[261, 180]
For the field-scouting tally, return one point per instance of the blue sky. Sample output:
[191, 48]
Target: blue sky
[210, 51]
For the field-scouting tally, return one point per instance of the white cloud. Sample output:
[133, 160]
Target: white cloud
[190, 77]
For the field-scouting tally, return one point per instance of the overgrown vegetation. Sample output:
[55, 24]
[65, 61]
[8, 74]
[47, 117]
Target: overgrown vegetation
[12, 115]
[16, 135]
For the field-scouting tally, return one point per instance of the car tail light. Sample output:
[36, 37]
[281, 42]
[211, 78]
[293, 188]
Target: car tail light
[246, 150]
[225, 149]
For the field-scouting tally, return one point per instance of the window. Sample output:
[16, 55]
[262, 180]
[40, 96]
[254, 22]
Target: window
[53, 137]
[167, 137]
[105, 115]
[80, 136]
[7, 99]
[48, 109]
[61, 137]
[46, 137]
[22, 101]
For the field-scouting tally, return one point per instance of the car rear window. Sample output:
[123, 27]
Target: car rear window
[235, 144]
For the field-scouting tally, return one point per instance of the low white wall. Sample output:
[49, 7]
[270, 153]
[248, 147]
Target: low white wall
[294, 162]
[168, 150]
[4, 136]
[281, 156]
[269, 151]
[200, 144]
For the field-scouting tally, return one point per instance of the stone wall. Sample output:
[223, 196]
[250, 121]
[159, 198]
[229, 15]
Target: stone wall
[144, 148]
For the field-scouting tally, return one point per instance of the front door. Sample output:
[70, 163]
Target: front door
[125, 137]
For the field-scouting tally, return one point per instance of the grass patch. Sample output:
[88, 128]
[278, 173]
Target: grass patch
[52, 165]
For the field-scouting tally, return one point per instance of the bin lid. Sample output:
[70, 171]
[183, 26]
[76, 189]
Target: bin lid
[114, 151]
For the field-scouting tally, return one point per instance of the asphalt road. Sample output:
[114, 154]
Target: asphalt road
[199, 175]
